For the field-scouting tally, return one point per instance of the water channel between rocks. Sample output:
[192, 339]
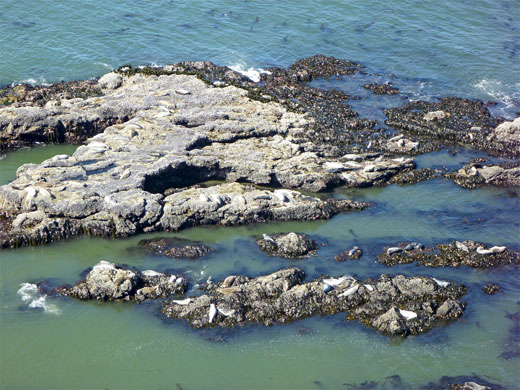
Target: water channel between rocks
[59, 343]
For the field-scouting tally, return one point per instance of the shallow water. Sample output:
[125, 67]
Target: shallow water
[71, 344]
[426, 49]
[464, 48]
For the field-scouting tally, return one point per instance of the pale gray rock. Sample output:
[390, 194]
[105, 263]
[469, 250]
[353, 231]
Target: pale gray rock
[136, 175]
[111, 282]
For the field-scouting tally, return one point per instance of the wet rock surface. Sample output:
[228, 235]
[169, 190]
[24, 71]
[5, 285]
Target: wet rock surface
[454, 254]
[291, 245]
[350, 254]
[177, 248]
[414, 176]
[110, 282]
[457, 121]
[382, 89]
[491, 288]
[476, 173]
[395, 305]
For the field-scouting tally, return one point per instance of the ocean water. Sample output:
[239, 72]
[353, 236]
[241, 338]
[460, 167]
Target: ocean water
[52, 342]
[428, 49]
[439, 48]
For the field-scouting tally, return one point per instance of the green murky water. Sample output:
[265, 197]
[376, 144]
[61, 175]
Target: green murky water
[67, 344]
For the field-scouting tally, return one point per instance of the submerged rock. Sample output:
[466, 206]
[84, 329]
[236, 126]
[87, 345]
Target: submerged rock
[512, 344]
[175, 248]
[110, 282]
[454, 254]
[394, 305]
[291, 245]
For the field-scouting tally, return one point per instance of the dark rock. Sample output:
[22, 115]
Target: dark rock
[382, 89]
[291, 245]
[110, 282]
[455, 254]
[414, 176]
[454, 121]
[491, 288]
[353, 254]
[394, 305]
[175, 248]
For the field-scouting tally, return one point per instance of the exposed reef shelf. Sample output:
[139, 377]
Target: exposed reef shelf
[396, 305]
[454, 254]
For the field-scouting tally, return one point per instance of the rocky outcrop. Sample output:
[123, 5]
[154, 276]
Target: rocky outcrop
[413, 176]
[491, 288]
[352, 254]
[110, 282]
[400, 144]
[397, 305]
[291, 245]
[468, 253]
[457, 121]
[136, 176]
[382, 89]
[176, 248]
[476, 174]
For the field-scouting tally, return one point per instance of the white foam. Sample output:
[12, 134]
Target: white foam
[251, 73]
[30, 294]
[495, 89]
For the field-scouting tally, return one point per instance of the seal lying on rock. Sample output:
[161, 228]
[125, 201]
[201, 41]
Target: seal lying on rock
[454, 254]
[393, 305]
[110, 282]
[291, 245]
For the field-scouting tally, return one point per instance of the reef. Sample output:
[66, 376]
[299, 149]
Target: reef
[458, 121]
[111, 282]
[382, 89]
[291, 245]
[476, 174]
[467, 253]
[394, 305]
[176, 248]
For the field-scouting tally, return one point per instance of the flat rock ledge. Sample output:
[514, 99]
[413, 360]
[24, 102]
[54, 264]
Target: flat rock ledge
[467, 253]
[397, 305]
[141, 175]
[176, 248]
[110, 282]
[291, 245]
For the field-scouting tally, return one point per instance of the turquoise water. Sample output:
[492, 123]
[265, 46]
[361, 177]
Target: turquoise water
[66, 344]
[466, 48]
[427, 49]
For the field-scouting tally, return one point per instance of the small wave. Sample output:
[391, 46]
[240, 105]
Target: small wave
[31, 296]
[104, 64]
[496, 90]
[251, 73]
